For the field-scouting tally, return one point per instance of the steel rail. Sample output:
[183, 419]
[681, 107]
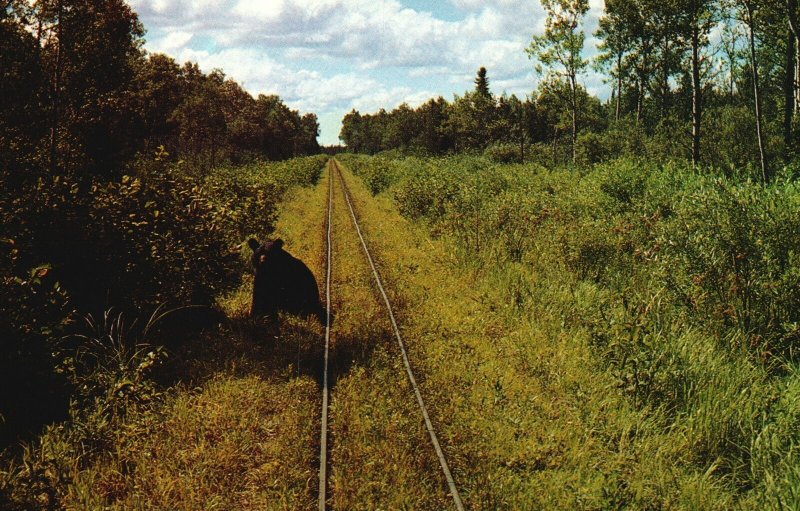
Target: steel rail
[428, 424]
[323, 436]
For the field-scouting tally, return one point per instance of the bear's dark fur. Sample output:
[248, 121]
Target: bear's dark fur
[282, 282]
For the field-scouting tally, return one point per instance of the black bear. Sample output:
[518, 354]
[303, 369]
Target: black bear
[282, 282]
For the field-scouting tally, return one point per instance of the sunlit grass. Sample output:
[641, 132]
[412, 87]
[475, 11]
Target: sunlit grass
[529, 414]
[233, 444]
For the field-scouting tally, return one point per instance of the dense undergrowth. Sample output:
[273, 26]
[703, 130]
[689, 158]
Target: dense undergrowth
[85, 263]
[684, 284]
[623, 336]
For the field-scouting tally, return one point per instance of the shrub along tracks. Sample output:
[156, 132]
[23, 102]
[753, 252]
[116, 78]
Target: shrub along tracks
[335, 175]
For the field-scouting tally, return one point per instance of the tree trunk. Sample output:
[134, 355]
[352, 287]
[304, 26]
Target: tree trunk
[729, 48]
[696, 95]
[574, 105]
[797, 75]
[39, 31]
[619, 85]
[794, 74]
[756, 90]
[665, 80]
[213, 153]
[555, 141]
[639, 94]
[794, 26]
[522, 135]
[642, 79]
[56, 91]
[789, 92]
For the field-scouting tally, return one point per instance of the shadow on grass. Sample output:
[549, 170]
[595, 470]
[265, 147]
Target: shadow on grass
[288, 348]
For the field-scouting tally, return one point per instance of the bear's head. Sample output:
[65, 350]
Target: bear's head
[263, 252]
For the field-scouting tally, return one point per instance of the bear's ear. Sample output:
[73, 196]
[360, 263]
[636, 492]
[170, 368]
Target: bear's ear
[253, 244]
[278, 243]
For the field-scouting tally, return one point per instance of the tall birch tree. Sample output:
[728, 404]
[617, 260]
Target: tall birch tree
[560, 50]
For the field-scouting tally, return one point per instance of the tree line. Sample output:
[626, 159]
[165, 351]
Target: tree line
[80, 96]
[713, 81]
[476, 121]
[115, 193]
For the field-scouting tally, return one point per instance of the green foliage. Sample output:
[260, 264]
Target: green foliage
[88, 53]
[737, 247]
[379, 173]
[482, 83]
[35, 314]
[152, 239]
[108, 362]
[723, 125]
[160, 237]
[471, 122]
[686, 283]
[249, 195]
[592, 148]
[560, 48]
[109, 373]
[21, 124]
[503, 153]
[428, 190]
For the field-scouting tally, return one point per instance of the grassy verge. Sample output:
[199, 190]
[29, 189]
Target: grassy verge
[529, 415]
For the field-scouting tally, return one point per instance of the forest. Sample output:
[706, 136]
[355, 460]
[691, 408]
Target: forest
[713, 82]
[106, 197]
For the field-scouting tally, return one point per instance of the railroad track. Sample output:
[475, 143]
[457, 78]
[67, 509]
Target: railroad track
[334, 173]
[323, 437]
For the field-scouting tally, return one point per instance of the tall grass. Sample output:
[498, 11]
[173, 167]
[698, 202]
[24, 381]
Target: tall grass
[683, 283]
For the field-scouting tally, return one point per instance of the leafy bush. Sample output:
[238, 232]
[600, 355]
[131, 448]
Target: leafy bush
[592, 148]
[377, 172]
[426, 190]
[503, 153]
[736, 248]
[665, 144]
[723, 125]
[156, 237]
[35, 314]
[513, 218]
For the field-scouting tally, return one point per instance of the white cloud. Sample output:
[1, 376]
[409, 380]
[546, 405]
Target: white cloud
[259, 10]
[172, 42]
[334, 55]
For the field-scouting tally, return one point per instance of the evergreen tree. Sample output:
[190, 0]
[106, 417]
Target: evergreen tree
[482, 84]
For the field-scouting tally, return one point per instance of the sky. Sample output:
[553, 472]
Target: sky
[332, 56]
